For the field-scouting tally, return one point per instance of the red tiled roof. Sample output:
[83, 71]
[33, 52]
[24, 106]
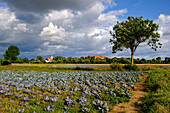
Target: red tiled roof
[96, 57]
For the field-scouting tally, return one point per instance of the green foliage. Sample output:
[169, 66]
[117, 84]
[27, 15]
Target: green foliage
[1, 59]
[25, 60]
[116, 66]
[5, 62]
[19, 60]
[158, 100]
[11, 53]
[40, 58]
[167, 60]
[131, 67]
[82, 60]
[58, 58]
[132, 32]
[136, 103]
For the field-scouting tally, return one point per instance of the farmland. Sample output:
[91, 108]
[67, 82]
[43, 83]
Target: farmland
[29, 89]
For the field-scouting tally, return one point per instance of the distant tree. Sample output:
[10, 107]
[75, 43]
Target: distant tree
[108, 61]
[132, 32]
[82, 61]
[103, 61]
[76, 60]
[58, 58]
[32, 60]
[92, 61]
[88, 57]
[143, 61]
[137, 61]
[124, 60]
[11, 53]
[158, 60]
[82, 58]
[40, 58]
[70, 59]
[1, 59]
[59, 61]
[153, 61]
[87, 61]
[167, 60]
[64, 59]
[25, 60]
[19, 60]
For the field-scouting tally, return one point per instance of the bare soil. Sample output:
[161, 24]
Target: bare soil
[136, 100]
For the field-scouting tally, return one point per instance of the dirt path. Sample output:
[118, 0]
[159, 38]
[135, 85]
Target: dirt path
[130, 107]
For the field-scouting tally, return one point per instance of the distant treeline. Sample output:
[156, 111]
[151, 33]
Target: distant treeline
[88, 60]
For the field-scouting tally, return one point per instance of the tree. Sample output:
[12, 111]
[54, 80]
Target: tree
[153, 61]
[132, 32]
[25, 60]
[167, 60]
[158, 60]
[143, 61]
[58, 58]
[32, 60]
[40, 58]
[12, 53]
[137, 61]
[70, 59]
[82, 58]
[19, 60]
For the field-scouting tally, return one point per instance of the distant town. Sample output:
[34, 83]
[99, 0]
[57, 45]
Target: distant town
[92, 60]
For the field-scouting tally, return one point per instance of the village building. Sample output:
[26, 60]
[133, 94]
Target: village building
[49, 59]
[95, 57]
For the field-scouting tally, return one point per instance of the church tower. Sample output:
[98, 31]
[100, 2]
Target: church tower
[51, 57]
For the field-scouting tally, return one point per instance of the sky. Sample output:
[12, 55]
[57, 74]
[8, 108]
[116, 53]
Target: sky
[77, 27]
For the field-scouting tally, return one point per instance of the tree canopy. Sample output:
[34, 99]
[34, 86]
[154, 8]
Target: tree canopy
[40, 58]
[132, 32]
[12, 53]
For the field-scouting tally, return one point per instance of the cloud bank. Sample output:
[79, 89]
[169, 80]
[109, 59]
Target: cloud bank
[68, 28]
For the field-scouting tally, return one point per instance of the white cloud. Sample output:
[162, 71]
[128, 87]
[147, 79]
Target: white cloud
[51, 50]
[111, 17]
[7, 19]
[63, 18]
[53, 33]
[59, 15]
[69, 31]
[164, 23]
[21, 27]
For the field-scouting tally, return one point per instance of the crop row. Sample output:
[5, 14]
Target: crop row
[31, 91]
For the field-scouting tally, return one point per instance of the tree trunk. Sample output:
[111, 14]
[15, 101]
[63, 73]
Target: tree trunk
[132, 53]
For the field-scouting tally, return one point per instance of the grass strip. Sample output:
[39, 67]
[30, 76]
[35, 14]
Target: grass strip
[158, 100]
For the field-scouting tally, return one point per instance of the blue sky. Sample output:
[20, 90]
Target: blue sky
[2, 5]
[150, 9]
[77, 28]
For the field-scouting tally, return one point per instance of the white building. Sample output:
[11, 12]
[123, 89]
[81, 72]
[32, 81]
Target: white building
[49, 59]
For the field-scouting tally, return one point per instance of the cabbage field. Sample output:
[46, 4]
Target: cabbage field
[34, 92]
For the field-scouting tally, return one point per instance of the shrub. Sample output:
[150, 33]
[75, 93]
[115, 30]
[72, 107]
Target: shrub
[131, 67]
[116, 66]
[5, 62]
